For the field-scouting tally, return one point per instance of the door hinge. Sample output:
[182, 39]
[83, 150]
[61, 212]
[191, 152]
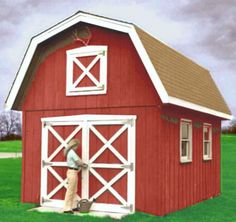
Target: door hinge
[46, 163]
[46, 124]
[102, 53]
[129, 207]
[45, 200]
[101, 87]
[129, 166]
[130, 122]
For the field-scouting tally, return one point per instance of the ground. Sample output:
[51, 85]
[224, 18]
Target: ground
[11, 146]
[222, 208]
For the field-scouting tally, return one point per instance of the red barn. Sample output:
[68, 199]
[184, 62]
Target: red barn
[149, 118]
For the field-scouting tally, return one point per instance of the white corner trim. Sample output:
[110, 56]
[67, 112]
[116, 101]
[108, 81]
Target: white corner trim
[95, 20]
[189, 105]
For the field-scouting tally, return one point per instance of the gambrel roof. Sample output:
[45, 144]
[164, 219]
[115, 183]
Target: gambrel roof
[177, 79]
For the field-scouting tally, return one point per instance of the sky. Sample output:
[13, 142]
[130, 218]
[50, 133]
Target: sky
[203, 30]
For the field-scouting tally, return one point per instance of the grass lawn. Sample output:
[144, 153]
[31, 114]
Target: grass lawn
[11, 146]
[220, 209]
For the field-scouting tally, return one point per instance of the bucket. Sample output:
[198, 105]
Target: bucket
[84, 205]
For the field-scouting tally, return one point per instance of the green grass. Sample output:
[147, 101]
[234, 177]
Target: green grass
[220, 209]
[11, 146]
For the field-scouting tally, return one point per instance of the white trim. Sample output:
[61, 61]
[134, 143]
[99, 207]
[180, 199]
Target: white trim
[131, 159]
[209, 156]
[95, 20]
[85, 159]
[89, 118]
[108, 185]
[44, 173]
[193, 106]
[87, 123]
[189, 157]
[106, 165]
[100, 87]
[108, 144]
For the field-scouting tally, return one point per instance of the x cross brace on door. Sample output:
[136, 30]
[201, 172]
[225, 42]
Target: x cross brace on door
[84, 124]
[86, 71]
[108, 145]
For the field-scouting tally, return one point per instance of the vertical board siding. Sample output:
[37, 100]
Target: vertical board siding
[23, 155]
[128, 86]
[148, 169]
[128, 83]
[163, 184]
[188, 183]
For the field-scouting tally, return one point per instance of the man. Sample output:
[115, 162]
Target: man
[73, 164]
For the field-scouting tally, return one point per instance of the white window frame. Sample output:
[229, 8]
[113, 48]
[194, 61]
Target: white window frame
[188, 158]
[100, 86]
[209, 155]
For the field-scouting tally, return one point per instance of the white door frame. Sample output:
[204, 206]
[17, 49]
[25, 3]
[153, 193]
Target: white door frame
[87, 123]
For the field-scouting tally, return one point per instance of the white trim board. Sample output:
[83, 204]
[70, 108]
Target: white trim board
[86, 124]
[189, 105]
[110, 24]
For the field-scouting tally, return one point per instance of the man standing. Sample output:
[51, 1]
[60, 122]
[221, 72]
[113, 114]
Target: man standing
[74, 164]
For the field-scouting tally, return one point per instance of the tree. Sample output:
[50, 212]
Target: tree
[10, 123]
[231, 128]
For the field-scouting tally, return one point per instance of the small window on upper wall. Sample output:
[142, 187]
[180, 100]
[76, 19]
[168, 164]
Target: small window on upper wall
[207, 141]
[86, 71]
[185, 141]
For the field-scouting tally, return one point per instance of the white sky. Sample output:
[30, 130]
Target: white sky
[203, 30]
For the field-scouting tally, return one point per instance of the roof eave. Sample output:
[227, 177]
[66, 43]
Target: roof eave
[192, 106]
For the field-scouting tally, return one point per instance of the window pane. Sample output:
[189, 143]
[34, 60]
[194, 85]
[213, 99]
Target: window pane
[184, 148]
[206, 133]
[206, 148]
[185, 130]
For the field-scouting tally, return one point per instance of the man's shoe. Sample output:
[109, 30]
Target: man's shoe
[76, 209]
[68, 212]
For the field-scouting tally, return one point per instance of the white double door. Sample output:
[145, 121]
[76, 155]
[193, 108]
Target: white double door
[109, 153]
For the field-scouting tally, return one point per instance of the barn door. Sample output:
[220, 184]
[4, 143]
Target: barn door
[108, 146]
[55, 136]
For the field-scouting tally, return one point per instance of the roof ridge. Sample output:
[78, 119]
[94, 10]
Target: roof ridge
[105, 17]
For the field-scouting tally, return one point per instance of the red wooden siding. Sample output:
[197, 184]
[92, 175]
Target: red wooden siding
[128, 81]
[163, 184]
[148, 157]
[189, 183]
[128, 86]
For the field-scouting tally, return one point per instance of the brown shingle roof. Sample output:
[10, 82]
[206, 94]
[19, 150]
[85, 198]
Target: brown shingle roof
[181, 77]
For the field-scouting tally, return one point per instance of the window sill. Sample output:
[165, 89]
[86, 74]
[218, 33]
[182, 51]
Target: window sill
[207, 159]
[185, 161]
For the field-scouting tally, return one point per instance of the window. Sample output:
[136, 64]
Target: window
[207, 141]
[86, 71]
[185, 141]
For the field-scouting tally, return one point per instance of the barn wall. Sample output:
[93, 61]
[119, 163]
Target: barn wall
[149, 174]
[163, 184]
[130, 91]
[128, 81]
[188, 183]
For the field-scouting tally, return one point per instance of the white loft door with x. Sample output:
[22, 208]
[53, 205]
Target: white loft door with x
[75, 58]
